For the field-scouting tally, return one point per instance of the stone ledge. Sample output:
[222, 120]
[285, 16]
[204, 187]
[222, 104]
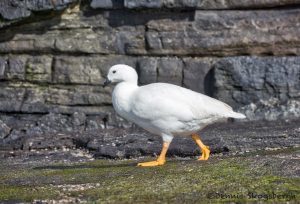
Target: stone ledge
[203, 33]
[61, 83]
[190, 4]
[227, 33]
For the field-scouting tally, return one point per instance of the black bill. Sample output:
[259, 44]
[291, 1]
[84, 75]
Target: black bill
[106, 82]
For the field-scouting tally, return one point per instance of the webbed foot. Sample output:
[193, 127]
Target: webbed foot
[205, 153]
[158, 162]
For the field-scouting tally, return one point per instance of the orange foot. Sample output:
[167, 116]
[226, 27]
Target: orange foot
[205, 153]
[158, 162]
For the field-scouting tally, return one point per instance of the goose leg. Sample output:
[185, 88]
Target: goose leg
[161, 160]
[204, 149]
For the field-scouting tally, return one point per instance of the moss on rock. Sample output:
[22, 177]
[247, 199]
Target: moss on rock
[221, 179]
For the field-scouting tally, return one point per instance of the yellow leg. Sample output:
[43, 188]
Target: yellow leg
[161, 160]
[204, 149]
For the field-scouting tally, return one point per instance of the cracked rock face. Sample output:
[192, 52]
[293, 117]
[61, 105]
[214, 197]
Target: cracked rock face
[243, 79]
[15, 9]
[54, 56]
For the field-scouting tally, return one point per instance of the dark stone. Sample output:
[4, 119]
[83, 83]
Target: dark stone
[170, 70]
[195, 72]
[131, 42]
[57, 131]
[76, 70]
[147, 70]
[236, 4]
[107, 4]
[16, 68]
[209, 5]
[16, 9]
[39, 69]
[3, 67]
[142, 3]
[153, 41]
[41, 5]
[35, 99]
[190, 4]
[245, 80]
[14, 141]
[4, 130]
[20, 122]
[79, 121]
[226, 33]
[53, 122]
[59, 141]
[96, 122]
[11, 99]
[13, 9]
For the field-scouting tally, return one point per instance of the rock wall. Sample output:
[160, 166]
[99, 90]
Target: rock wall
[54, 54]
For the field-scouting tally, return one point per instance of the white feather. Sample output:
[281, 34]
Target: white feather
[166, 109]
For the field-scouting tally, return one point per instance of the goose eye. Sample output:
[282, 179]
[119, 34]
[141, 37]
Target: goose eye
[114, 71]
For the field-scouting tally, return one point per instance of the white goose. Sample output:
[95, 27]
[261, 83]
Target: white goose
[165, 109]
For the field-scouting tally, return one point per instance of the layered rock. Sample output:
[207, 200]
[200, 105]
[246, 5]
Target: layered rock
[224, 33]
[200, 33]
[15, 10]
[54, 55]
[243, 79]
[190, 4]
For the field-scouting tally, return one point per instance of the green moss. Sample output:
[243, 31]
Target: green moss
[27, 193]
[178, 181]
[187, 182]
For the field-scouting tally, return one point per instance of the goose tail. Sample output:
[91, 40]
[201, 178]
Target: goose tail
[236, 115]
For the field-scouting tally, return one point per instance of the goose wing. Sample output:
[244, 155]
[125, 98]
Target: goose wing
[171, 101]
